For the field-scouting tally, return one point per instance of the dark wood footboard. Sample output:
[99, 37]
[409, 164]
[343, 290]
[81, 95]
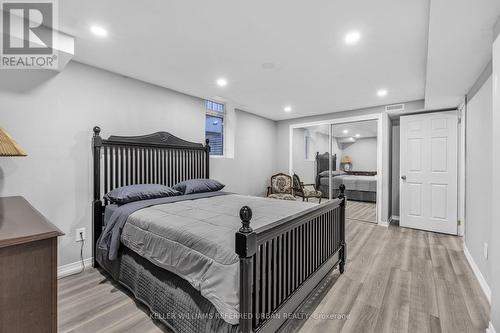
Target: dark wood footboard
[281, 263]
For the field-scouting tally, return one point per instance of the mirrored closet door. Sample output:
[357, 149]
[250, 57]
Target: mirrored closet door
[327, 155]
[356, 149]
[312, 162]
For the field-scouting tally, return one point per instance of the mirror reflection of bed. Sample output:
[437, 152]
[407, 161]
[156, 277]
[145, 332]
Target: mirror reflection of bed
[361, 188]
[354, 164]
[355, 145]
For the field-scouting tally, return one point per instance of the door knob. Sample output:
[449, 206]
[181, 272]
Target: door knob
[403, 177]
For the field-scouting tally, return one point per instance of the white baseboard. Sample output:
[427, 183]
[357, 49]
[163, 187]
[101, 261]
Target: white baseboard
[383, 223]
[73, 268]
[479, 275]
[393, 218]
[490, 328]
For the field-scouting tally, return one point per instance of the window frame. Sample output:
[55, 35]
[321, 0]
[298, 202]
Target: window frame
[307, 146]
[217, 114]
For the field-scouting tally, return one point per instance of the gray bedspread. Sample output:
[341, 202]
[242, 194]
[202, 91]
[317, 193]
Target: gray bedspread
[194, 238]
[116, 217]
[353, 183]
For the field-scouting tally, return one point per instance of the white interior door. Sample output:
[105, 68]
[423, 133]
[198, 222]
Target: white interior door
[428, 184]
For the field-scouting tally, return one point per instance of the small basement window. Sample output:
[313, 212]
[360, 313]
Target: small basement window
[214, 127]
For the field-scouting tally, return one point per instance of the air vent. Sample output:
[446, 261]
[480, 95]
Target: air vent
[395, 107]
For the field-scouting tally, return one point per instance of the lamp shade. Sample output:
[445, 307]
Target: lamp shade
[9, 147]
[346, 159]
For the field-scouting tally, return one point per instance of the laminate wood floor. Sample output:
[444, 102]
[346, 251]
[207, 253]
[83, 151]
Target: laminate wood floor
[357, 210]
[396, 280]
[361, 211]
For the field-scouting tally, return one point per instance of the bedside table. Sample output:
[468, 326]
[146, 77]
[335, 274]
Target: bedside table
[28, 268]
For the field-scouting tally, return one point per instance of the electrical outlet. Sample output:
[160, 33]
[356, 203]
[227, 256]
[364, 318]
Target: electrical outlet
[77, 234]
[485, 253]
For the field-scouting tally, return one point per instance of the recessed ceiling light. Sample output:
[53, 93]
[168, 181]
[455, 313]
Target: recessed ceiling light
[221, 82]
[268, 65]
[352, 37]
[382, 93]
[287, 108]
[345, 131]
[357, 135]
[98, 31]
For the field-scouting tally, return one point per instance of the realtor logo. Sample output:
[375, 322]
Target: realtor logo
[27, 31]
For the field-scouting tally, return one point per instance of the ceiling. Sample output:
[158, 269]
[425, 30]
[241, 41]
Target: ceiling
[365, 129]
[359, 129]
[272, 53]
[460, 46]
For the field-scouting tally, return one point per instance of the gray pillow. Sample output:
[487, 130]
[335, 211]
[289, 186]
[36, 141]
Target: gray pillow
[126, 194]
[334, 173]
[199, 185]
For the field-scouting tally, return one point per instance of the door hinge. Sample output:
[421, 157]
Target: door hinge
[459, 223]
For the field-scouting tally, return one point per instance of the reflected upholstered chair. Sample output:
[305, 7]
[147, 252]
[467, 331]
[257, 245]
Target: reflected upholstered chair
[281, 187]
[305, 191]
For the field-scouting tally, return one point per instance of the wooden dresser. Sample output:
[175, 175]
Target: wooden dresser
[28, 268]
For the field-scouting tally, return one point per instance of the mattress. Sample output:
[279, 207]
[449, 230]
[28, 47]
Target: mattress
[352, 183]
[195, 239]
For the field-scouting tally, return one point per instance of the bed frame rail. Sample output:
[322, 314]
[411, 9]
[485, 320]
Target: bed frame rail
[281, 263]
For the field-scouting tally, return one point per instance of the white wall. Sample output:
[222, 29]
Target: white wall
[495, 228]
[337, 152]
[363, 153]
[320, 143]
[53, 122]
[303, 167]
[478, 176]
[482, 179]
[250, 170]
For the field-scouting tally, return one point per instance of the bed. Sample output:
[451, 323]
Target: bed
[209, 262]
[359, 186]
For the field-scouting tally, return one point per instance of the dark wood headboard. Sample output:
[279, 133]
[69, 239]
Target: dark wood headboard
[158, 158]
[323, 162]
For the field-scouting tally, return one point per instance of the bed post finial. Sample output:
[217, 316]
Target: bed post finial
[97, 207]
[246, 247]
[97, 142]
[207, 158]
[245, 216]
[342, 193]
[343, 249]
